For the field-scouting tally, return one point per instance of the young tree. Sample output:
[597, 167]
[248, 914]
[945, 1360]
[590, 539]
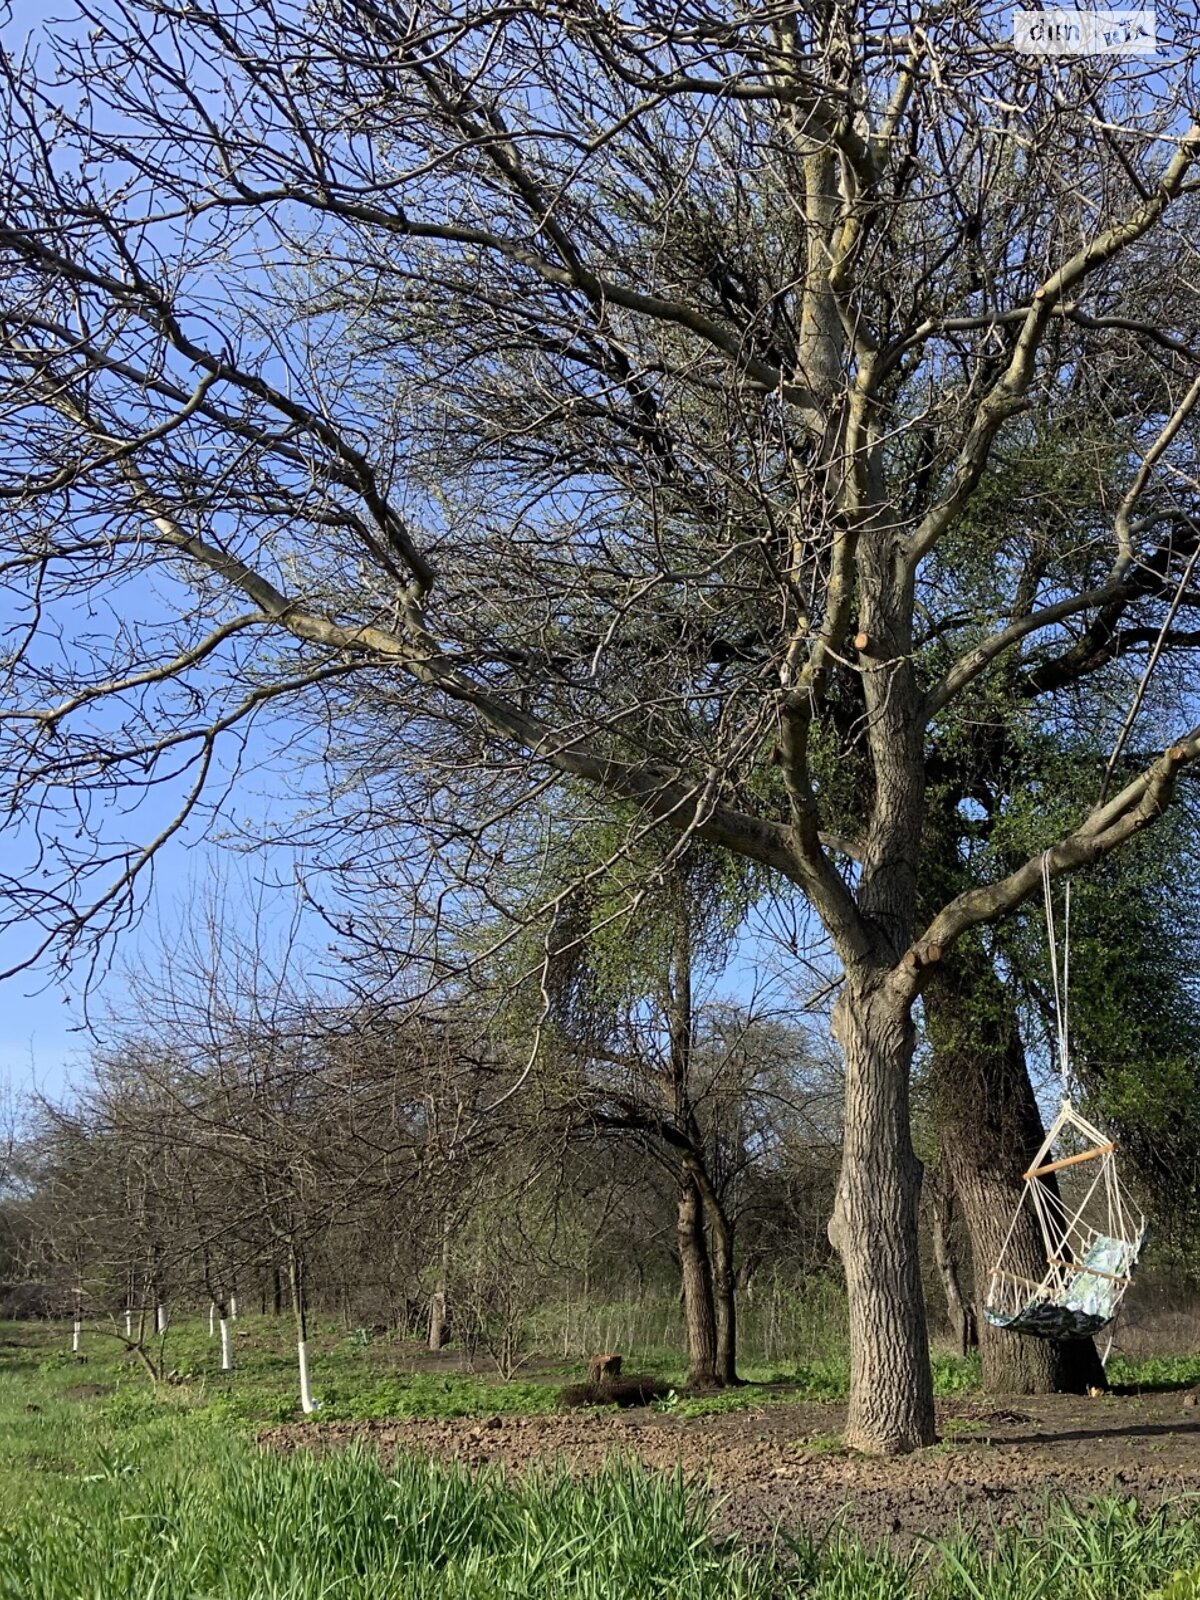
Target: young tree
[603, 393]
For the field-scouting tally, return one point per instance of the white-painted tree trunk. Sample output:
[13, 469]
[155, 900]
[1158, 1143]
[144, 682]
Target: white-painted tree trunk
[76, 1330]
[307, 1404]
[233, 1307]
[128, 1323]
[160, 1318]
[226, 1346]
[212, 1318]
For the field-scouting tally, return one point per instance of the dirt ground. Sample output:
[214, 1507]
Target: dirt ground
[781, 1464]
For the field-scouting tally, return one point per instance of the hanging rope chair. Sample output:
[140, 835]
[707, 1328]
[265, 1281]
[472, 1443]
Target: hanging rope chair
[1092, 1232]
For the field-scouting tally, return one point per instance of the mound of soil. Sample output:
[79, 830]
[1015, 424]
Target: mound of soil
[782, 1464]
[634, 1389]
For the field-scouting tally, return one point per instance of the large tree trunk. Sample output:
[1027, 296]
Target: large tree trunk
[696, 1271]
[990, 1128]
[724, 1275]
[874, 1225]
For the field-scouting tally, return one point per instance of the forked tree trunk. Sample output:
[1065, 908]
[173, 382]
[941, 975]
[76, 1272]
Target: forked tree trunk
[990, 1128]
[874, 1225]
[724, 1294]
[696, 1272]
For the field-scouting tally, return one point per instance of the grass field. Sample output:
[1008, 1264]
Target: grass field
[113, 1490]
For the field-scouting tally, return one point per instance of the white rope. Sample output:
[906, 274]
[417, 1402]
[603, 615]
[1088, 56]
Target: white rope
[1061, 991]
[1070, 1224]
[1066, 994]
[1096, 1204]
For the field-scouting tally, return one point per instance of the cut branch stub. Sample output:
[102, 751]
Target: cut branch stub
[604, 1367]
[923, 954]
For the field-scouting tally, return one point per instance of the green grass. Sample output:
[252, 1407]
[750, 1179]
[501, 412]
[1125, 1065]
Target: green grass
[357, 1378]
[427, 1395]
[137, 1494]
[1155, 1372]
[808, 1380]
[372, 1378]
[352, 1379]
[193, 1512]
[220, 1521]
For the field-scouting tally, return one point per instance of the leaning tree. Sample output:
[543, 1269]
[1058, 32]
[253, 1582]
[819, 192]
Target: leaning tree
[603, 394]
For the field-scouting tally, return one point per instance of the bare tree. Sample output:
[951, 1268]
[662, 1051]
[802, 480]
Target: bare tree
[599, 399]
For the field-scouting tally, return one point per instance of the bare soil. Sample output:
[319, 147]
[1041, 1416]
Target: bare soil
[782, 1465]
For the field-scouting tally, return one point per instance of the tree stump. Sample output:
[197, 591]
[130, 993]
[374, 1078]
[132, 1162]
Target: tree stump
[602, 1368]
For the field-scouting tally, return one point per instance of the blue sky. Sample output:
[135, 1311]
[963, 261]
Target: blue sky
[43, 1018]
[42, 1013]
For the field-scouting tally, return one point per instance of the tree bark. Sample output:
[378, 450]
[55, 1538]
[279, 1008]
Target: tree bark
[874, 1224]
[695, 1264]
[725, 1297]
[439, 1322]
[963, 1318]
[724, 1277]
[990, 1128]
[696, 1271]
[437, 1319]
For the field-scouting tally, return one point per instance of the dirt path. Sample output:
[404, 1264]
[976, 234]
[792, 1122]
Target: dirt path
[780, 1464]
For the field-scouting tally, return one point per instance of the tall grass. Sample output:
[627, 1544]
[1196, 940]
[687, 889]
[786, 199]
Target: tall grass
[239, 1526]
[128, 1494]
[221, 1522]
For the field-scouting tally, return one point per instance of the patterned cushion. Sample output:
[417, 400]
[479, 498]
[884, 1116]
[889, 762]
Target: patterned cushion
[1089, 1301]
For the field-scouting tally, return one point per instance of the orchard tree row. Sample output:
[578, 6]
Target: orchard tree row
[608, 440]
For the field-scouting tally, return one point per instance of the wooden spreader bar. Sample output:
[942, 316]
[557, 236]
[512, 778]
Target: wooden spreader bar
[1090, 1272]
[1015, 1277]
[1071, 1161]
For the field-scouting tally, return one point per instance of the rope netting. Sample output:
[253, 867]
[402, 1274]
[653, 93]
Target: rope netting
[1092, 1231]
